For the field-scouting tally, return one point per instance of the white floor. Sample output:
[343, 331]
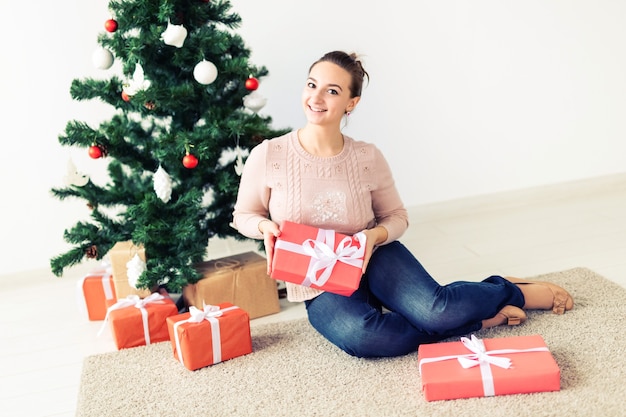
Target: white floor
[526, 233]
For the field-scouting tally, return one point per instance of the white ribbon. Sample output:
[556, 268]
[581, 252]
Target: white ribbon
[105, 272]
[209, 313]
[482, 357]
[107, 287]
[134, 300]
[324, 257]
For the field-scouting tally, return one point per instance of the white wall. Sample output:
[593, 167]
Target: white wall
[465, 98]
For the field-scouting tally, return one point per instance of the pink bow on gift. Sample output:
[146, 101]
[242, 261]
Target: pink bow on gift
[326, 258]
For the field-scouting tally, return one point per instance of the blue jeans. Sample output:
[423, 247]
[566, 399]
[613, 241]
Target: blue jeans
[418, 309]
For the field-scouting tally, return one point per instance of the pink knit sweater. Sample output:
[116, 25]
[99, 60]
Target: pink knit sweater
[349, 192]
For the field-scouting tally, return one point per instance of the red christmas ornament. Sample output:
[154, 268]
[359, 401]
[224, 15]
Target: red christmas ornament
[95, 151]
[125, 96]
[110, 25]
[190, 161]
[252, 84]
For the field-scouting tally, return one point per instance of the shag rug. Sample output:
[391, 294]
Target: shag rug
[293, 371]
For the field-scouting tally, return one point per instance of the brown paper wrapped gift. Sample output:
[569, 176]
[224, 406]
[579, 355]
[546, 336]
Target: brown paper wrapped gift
[239, 279]
[119, 255]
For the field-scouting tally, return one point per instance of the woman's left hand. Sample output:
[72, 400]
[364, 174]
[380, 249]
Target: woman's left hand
[374, 237]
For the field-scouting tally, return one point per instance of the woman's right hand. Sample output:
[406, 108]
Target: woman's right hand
[270, 232]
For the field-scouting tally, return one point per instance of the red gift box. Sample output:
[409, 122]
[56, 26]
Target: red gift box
[318, 258]
[480, 368]
[205, 337]
[136, 322]
[97, 293]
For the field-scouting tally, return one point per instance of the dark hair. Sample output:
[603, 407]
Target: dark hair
[352, 64]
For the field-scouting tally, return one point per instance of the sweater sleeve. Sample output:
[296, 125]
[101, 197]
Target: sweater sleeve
[387, 205]
[252, 205]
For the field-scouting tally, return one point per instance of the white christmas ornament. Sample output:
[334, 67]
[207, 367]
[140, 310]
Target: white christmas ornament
[239, 163]
[138, 83]
[174, 35]
[135, 267]
[254, 101]
[102, 58]
[73, 177]
[205, 72]
[162, 183]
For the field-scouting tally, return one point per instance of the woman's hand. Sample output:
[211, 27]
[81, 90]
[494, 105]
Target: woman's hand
[270, 232]
[374, 237]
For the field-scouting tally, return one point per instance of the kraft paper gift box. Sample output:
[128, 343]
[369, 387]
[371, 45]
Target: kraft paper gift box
[214, 334]
[96, 292]
[138, 321]
[119, 255]
[481, 368]
[318, 258]
[241, 280]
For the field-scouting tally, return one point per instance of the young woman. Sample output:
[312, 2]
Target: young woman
[318, 176]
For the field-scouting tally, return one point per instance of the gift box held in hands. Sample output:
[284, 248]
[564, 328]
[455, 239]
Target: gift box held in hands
[481, 368]
[214, 334]
[318, 258]
[137, 322]
[96, 293]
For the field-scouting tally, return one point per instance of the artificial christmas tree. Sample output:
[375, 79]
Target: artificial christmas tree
[176, 141]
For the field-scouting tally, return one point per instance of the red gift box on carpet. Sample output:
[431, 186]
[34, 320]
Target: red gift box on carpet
[138, 321]
[96, 293]
[205, 337]
[318, 258]
[479, 368]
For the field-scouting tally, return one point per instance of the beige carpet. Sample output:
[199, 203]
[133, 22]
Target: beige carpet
[293, 371]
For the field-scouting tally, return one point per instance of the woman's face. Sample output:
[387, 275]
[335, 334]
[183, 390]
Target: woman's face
[326, 95]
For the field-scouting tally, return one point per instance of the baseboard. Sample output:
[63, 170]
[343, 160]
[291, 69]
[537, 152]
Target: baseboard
[584, 188]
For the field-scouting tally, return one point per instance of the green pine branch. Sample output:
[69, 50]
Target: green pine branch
[155, 128]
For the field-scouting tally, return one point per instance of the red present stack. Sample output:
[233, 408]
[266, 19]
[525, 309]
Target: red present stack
[477, 368]
[138, 321]
[97, 292]
[205, 337]
[318, 258]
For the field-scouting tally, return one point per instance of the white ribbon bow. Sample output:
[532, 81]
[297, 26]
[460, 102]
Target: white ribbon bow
[324, 258]
[207, 312]
[481, 355]
[134, 300]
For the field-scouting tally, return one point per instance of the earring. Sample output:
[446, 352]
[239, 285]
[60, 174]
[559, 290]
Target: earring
[347, 113]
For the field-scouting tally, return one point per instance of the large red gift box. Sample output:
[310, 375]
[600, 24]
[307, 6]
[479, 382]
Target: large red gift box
[138, 321]
[205, 337]
[318, 258]
[97, 292]
[479, 368]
